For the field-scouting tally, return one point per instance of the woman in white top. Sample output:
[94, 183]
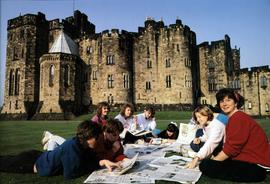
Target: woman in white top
[126, 117]
[213, 132]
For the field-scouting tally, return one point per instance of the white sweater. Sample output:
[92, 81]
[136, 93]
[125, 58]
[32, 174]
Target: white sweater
[213, 135]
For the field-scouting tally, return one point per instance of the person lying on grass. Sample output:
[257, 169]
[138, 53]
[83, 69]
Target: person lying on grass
[108, 147]
[74, 158]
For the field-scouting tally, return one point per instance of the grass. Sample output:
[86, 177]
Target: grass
[17, 136]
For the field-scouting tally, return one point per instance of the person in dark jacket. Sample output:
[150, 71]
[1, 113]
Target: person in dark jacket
[171, 132]
[74, 158]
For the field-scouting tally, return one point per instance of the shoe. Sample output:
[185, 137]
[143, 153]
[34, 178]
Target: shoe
[46, 136]
[45, 146]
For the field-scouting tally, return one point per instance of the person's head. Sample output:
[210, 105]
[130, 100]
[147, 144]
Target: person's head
[127, 110]
[229, 100]
[103, 108]
[149, 112]
[112, 130]
[202, 115]
[172, 130]
[87, 133]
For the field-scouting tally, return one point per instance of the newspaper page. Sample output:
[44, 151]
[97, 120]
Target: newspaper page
[186, 133]
[140, 132]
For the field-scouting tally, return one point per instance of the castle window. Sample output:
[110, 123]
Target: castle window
[168, 81]
[187, 62]
[16, 105]
[263, 82]
[126, 81]
[110, 99]
[188, 82]
[89, 50]
[22, 34]
[148, 85]
[211, 84]
[148, 52]
[149, 63]
[249, 105]
[51, 75]
[110, 60]
[17, 82]
[22, 53]
[168, 62]
[178, 48]
[15, 54]
[204, 102]
[94, 75]
[11, 83]
[266, 107]
[110, 81]
[66, 76]
[211, 66]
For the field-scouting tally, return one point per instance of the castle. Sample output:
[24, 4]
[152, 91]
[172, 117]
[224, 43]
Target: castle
[61, 69]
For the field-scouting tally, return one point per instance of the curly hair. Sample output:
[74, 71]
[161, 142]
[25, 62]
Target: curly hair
[113, 125]
[123, 109]
[87, 130]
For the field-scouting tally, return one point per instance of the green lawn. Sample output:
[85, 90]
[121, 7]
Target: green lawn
[16, 136]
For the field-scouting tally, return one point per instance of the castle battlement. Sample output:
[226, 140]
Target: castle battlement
[27, 19]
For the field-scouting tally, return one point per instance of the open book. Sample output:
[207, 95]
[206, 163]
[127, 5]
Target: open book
[126, 165]
[187, 133]
[140, 132]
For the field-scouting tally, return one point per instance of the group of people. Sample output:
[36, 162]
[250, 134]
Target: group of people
[230, 145]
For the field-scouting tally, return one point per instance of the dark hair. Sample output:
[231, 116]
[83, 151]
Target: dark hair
[205, 110]
[87, 130]
[123, 109]
[232, 94]
[113, 125]
[99, 107]
[173, 128]
[151, 110]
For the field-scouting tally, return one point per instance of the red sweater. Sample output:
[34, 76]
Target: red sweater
[246, 141]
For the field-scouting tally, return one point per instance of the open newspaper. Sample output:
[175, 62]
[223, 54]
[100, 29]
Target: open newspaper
[126, 165]
[186, 133]
[140, 132]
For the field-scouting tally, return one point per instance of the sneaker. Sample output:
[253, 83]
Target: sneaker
[45, 146]
[46, 136]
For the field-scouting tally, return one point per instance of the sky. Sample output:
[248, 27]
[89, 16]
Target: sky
[247, 22]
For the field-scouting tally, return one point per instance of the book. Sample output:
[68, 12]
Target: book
[187, 133]
[126, 165]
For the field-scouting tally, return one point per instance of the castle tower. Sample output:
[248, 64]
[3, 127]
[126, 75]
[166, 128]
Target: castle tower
[163, 65]
[216, 68]
[61, 78]
[110, 57]
[27, 41]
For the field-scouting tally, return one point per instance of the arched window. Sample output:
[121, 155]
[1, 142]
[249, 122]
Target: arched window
[66, 75]
[51, 75]
[17, 81]
[11, 82]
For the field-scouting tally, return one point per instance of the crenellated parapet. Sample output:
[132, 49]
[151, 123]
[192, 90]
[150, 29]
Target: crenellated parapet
[27, 19]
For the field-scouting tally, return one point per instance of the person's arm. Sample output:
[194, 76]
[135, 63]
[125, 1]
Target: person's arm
[220, 157]
[193, 163]
[109, 165]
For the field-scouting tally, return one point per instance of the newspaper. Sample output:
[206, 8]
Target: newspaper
[140, 132]
[150, 165]
[126, 165]
[186, 133]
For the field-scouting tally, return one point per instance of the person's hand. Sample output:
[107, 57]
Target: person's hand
[192, 164]
[110, 165]
[196, 141]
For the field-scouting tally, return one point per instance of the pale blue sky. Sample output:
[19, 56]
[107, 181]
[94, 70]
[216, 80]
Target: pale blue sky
[247, 22]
